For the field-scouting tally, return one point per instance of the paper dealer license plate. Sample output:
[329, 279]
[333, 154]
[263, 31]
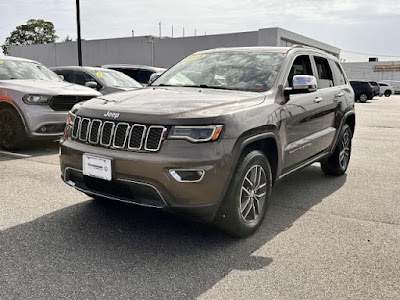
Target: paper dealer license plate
[97, 167]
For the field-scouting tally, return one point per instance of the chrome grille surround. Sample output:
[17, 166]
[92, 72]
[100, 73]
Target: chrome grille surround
[118, 135]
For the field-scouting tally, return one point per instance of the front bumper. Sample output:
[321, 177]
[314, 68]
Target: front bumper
[144, 178]
[39, 116]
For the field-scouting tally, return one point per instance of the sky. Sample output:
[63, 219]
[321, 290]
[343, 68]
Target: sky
[353, 26]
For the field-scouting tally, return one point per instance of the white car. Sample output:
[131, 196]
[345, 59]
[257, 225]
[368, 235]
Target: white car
[34, 102]
[385, 89]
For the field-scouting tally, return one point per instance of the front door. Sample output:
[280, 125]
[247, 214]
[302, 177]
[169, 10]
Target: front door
[303, 124]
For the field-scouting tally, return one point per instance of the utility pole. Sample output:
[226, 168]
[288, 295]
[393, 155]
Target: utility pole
[133, 33]
[78, 28]
[159, 28]
[195, 31]
[183, 31]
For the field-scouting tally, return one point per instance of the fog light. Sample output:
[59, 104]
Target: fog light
[187, 175]
[43, 129]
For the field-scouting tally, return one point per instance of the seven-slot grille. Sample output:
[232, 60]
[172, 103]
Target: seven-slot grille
[119, 135]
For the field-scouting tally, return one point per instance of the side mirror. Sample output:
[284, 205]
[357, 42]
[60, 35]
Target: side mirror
[153, 77]
[301, 84]
[62, 77]
[305, 83]
[92, 84]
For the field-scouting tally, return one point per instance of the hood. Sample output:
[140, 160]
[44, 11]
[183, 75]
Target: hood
[170, 103]
[48, 87]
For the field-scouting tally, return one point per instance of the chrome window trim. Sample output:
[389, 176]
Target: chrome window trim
[77, 130]
[98, 132]
[164, 129]
[115, 134]
[111, 134]
[141, 140]
[87, 130]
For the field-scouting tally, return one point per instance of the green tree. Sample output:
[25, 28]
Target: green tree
[35, 31]
[67, 39]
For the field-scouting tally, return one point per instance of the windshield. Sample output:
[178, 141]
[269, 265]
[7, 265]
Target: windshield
[225, 70]
[115, 79]
[14, 69]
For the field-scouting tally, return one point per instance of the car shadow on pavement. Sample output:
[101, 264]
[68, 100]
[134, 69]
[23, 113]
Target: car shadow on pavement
[113, 250]
[31, 149]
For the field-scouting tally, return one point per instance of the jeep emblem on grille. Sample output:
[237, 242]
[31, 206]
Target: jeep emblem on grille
[111, 114]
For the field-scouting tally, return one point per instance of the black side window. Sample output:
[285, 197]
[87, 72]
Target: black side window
[129, 72]
[383, 84]
[144, 76]
[325, 78]
[301, 66]
[340, 79]
[81, 78]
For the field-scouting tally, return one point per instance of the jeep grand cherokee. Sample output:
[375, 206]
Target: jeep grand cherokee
[210, 137]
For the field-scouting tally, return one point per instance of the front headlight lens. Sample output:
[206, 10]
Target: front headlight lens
[36, 99]
[196, 134]
[71, 119]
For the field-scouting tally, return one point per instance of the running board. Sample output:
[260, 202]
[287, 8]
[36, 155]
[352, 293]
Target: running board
[305, 164]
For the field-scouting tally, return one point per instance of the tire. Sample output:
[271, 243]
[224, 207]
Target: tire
[363, 98]
[246, 201]
[338, 162]
[387, 93]
[12, 130]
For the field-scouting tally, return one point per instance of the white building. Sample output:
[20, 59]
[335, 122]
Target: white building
[160, 52]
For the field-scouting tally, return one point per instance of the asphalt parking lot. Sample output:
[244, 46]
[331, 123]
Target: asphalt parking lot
[323, 237]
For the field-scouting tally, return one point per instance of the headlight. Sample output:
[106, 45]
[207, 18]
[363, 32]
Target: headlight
[196, 134]
[36, 99]
[71, 119]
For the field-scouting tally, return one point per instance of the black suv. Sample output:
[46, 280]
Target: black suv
[363, 90]
[211, 136]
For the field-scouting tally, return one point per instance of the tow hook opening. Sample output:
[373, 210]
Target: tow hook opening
[187, 175]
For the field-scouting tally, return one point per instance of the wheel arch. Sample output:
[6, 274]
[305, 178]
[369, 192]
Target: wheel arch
[5, 104]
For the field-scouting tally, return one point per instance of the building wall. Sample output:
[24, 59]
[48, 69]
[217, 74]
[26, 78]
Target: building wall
[365, 70]
[166, 51]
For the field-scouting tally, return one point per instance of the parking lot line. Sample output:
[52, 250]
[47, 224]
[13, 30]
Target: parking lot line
[16, 155]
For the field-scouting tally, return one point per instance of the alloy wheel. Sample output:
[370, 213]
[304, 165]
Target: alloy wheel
[253, 194]
[344, 155]
[363, 97]
[7, 129]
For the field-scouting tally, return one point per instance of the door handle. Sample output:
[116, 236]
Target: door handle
[318, 99]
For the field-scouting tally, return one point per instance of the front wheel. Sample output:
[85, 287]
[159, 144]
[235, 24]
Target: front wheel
[388, 93]
[12, 130]
[338, 162]
[363, 98]
[246, 202]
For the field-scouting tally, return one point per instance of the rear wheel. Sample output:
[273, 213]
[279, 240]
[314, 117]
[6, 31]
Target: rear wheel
[246, 202]
[388, 93]
[363, 98]
[338, 162]
[12, 130]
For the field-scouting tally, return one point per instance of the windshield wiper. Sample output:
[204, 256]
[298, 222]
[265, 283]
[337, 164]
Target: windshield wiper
[205, 86]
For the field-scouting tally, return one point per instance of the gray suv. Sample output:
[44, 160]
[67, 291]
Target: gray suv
[34, 102]
[211, 136]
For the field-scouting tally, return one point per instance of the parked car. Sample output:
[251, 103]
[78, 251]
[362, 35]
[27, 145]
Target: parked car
[104, 80]
[385, 89]
[375, 85]
[363, 90]
[394, 83]
[140, 73]
[34, 102]
[214, 133]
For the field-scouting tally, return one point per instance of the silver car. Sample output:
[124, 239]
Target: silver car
[34, 102]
